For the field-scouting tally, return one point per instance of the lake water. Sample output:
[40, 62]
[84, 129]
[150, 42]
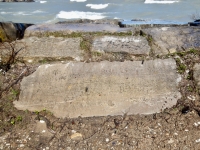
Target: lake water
[154, 11]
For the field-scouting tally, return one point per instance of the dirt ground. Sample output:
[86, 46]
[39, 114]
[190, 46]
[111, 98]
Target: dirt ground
[175, 128]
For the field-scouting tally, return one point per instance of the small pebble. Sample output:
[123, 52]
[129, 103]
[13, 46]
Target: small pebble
[73, 131]
[197, 141]
[107, 139]
[77, 136]
[170, 141]
[42, 121]
[21, 145]
[175, 133]
[43, 131]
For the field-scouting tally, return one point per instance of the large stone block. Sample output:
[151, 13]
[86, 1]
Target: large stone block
[101, 88]
[172, 39]
[128, 44]
[68, 28]
[49, 47]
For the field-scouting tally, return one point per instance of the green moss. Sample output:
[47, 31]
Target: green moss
[82, 34]
[185, 53]
[96, 54]
[182, 54]
[180, 66]
[149, 39]
[194, 51]
[189, 88]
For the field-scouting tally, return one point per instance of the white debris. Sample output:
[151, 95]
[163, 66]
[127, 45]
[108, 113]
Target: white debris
[191, 97]
[21, 145]
[170, 141]
[107, 139]
[197, 141]
[159, 124]
[73, 131]
[77, 136]
[175, 133]
[30, 61]
[186, 130]
[43, 131]
[42, 121]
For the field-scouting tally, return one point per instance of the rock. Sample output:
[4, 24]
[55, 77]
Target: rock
[177, 39]
[99, 21]
[130, 44]
[53, 47]
[11, 31]
[172, 50]
[101, 88]
[76, 136]
[196, 74]
[65, 29]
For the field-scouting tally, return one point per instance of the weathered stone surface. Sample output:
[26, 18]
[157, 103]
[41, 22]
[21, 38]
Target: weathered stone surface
[101, 88]
[64, 29]
[98, 21]
[53, 47]
[129, 44]
[196, 74]
[167, 39]
[10, 31]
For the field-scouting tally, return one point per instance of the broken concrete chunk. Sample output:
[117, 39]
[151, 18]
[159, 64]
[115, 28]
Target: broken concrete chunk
[65, 29]
[101, 88]
[129, 44]
[168, 39]
[50, 47]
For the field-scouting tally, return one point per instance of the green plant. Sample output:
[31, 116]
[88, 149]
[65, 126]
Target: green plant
[181, 53]
[15, 92]
[194, 51]
[19, 118]
[180, 66]
[12, 121]
[37, 112]
[96, 54]
[43, 61]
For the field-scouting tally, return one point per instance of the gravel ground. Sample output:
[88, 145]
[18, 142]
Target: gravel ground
[168, 130]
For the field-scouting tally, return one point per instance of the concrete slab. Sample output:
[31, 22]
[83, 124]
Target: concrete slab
[53, 47]
[180, 38]
[136, 45]
[64, 29]
[101, 88]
